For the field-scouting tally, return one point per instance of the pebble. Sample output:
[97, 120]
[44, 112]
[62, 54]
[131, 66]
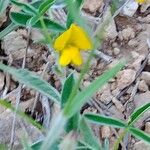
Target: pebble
[118, 104]
[146, 77]
[142, 86]
[116, 51]
[105, 132]
[125, 77]
[141, 146]
[147, 127]
[126, 34]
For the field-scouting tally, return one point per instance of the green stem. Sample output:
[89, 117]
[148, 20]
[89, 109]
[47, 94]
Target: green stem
[116, 145]
[45, 31]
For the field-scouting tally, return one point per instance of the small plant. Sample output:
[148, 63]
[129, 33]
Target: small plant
[68, 41]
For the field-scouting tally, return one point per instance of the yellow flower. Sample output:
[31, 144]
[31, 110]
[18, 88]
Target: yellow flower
[141, 1]
[70, 43]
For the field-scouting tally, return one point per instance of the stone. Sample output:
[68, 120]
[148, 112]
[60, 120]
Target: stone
[147, 127]
[146, 77]
[92, 6]
[15, 44]
[6, 119]
[133, 43]
[125, 78]
[126, 34]
[104, 95]
[36, 35]
[142, 99]
[116, 51]
[111, 31]
[105, 132]
[141, 146]
[136, 65]
[118, 104]
[130, 8]
[142, 86]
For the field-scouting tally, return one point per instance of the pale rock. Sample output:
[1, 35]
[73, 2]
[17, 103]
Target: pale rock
[111, 31]
[113, 86]
[2, 79]
[147, 127]
[105, 132]
[146, 77]
[144, 19]
[6, 119]
[92, 6]
[26, 104]
[126, 34]
[142, 40]
[116, 51]
[133, 43]
[141, 146]
[115, 92]
[116, 113]
[142, 86]
[86, 83]
[142, 99]
[118, 104]
[136, 65]
[125, 78]
[130, 8]
[14, 45]
[135, 54]
[104, 95]
[36, 35]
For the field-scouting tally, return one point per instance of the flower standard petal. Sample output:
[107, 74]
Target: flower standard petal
[79, 38]
[62, 41]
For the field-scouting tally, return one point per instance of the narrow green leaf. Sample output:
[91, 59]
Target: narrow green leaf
[105, 120]
[72, 123]
[3, 5]
[8, 29]
[45, 6]
[41, 11]
[88, 135]
[141, 135]
[25, 7]
[33, 81]
[37, 145]
[75, 104]
[22, 20]
[137, 113]
[70, 19]
[7, 105]
[74, 14]
[67, 89]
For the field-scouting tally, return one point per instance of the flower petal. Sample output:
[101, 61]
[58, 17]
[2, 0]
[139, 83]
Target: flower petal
[76, 58]
[79, 38]
[70, 55]
[61, 42]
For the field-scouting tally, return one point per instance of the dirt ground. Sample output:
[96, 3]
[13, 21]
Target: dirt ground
[127, 37]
